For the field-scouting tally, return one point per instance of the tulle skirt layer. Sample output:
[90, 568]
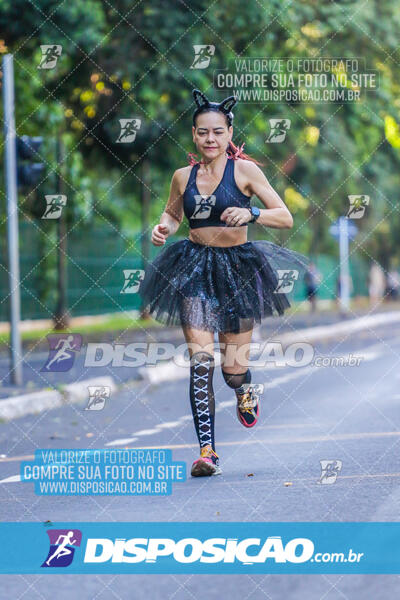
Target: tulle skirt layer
[220, 289]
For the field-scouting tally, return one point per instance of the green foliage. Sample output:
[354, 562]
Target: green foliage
[122, 60]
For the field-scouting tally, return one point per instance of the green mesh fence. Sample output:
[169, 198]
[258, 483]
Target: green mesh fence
[95, 264]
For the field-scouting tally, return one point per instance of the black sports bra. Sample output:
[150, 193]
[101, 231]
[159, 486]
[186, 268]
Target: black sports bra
[205, 211]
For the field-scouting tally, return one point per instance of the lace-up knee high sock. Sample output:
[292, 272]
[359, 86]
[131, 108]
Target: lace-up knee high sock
[202, 397]
[238, 381]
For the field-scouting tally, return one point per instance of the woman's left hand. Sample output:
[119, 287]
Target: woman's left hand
[235, 216]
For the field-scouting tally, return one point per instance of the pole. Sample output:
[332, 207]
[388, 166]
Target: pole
[12, 218]
[61, 317]
[344, 264]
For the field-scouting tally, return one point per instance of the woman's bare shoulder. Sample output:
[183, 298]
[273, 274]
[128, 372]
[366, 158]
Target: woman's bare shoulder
[247, 167]
[246, 171]
[182, 177]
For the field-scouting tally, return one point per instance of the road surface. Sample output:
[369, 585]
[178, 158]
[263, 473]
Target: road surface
[270, 473]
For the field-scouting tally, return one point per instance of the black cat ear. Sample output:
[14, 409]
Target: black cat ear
[200, 98]
[227, 104]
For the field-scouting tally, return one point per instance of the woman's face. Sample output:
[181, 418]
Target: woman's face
[211, 134]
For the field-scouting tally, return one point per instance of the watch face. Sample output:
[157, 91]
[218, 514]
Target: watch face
[255, 211]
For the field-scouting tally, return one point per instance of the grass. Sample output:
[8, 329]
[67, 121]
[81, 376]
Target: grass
[116, 323]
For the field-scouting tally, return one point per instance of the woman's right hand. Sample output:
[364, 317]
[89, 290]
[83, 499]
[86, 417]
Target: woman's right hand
[159, 234]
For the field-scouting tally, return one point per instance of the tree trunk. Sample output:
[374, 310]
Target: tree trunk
[145, 204]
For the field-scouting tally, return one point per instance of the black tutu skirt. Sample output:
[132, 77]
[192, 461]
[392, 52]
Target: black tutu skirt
[226, 289]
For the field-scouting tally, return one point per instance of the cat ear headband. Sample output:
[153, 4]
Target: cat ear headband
[203, 103]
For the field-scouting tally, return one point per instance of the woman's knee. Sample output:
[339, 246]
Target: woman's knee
[236, 379]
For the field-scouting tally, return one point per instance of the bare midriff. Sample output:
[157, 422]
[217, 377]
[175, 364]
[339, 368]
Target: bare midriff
[219, 236]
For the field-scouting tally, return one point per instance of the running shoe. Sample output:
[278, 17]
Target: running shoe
[207, 464]
[248, 407]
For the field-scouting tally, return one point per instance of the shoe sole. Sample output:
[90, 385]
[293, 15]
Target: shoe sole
[204, 469]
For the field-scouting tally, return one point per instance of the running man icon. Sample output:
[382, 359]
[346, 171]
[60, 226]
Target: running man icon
[50, 55]
[62, 351]
[63, 543]
[62, 550]
[63, 346]
[287, 278]
[129, 129]
[203, 56]
[203, 207]
[279, 129]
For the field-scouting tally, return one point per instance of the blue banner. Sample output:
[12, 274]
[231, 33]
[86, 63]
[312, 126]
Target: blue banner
[213, 548]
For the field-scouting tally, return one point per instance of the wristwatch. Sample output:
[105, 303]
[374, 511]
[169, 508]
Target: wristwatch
[255, 213]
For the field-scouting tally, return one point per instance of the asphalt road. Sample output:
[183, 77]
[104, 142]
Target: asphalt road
[308, 414]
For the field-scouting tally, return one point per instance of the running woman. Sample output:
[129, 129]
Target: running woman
[215, 280]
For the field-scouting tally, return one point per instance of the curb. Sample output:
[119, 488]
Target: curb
[36, 402]
[170, 371]
[325, 332]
